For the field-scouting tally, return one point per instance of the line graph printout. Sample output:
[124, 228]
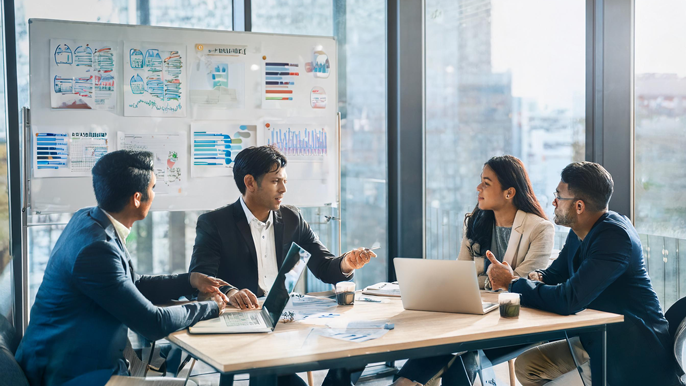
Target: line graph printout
[215, 145]
[170, 158]
[299, 141]
[154, 80]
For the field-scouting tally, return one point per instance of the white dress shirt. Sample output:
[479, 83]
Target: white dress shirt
[263, 237]
[121, 229]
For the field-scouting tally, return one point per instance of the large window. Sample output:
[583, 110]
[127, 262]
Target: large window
[660, 121]
[502, 77]
[360, 30]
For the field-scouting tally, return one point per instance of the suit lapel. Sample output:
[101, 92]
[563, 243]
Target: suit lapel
[244, 228]
[278, 237]
[515, 238]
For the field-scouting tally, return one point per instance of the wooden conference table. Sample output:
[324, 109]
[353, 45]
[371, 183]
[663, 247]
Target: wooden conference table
[293, 348]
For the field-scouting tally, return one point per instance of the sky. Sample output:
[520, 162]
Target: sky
[542, 42]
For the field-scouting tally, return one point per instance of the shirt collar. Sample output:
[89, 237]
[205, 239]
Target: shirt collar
[250, 217]
[122, 230]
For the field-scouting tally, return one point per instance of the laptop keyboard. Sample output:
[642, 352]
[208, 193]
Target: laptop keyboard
[233, 319]
[487, 305]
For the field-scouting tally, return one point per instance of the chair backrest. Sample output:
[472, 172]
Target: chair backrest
[12, 374]
[676, 316]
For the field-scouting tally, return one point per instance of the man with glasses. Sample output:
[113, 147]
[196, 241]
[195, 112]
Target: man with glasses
[601, 267]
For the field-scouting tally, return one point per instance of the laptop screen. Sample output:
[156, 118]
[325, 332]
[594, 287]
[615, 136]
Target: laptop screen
[289, 274]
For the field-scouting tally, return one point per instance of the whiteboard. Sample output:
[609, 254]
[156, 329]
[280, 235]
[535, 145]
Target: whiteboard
[226, 82]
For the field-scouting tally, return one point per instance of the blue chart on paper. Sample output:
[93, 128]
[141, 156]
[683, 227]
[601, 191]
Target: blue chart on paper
[218, 149]
[52, 150]
[299, 142]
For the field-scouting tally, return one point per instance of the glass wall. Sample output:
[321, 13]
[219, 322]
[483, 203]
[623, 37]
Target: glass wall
[502, 77]
[659, 143]
[360, 30]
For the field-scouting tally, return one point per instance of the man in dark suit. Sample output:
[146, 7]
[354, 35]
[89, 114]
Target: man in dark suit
[244, 243]
[90, 294]
[601, 267]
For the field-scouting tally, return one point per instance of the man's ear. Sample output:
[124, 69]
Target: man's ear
[250, 182]
[136, 200]
[580, 206]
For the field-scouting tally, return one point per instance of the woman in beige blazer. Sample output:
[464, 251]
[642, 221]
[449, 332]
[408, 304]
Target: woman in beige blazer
[507, 221]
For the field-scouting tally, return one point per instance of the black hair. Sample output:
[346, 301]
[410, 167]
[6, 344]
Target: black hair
[590, 183]
[119, 175]
[256, 161]
[511, 173]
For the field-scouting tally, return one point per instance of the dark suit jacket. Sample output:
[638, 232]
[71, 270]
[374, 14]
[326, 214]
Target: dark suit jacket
[88, 298]
[224, 246]
[607, 272]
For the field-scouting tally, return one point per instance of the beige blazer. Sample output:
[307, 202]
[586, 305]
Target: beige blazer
[529, 247]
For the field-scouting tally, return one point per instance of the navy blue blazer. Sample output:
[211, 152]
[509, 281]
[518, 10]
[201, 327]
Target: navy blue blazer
[606, 272]
[89, 296]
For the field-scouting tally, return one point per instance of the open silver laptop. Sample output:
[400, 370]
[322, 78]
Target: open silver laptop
[440, 285]
[266, 318]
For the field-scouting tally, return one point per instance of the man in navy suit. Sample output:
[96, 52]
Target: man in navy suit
[90, 295]
[601, 267]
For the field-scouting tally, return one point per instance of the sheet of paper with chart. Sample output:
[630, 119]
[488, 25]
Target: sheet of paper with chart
[299, 142]
[83, 75]
[154, 80]
[217, 77]
[85, 149]
[170, 158]
[305, 145]
[214, 146]
[60, 152]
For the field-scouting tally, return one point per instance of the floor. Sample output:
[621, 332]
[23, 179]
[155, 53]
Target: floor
[203, 375]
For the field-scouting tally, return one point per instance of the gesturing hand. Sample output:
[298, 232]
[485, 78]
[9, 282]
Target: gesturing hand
[206, 284]
[499, 274]
[243, 299]
[356, 259]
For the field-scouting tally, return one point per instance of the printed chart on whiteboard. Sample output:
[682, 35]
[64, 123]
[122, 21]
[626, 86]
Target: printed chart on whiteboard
[280, 78]
[299, 142]
[155, 80]
[59, 152]
[170, 158]
[215, 146]
[82, 74]
[217, 78]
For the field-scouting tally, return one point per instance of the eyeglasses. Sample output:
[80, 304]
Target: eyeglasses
[557, 197]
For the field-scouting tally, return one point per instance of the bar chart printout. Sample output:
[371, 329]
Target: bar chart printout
[299, 142]
[216, 145]
[51, 154]
[279, 80]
